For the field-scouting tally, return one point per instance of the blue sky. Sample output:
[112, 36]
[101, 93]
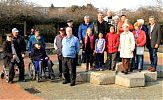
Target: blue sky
[110, 4]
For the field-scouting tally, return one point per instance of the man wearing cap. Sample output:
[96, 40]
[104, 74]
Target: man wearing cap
[70, 47]
[20, 49]
[74, 32]
[100, 26]
[82, 32]
[58, 47]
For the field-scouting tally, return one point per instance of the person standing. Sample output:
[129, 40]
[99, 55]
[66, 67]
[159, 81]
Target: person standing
[124, 20]
[89, 48]
[154, 35]
[126, 47]
[99, 51]
[34, 39]
[58, 47]
[100, 26]
[70, 47]
[115, 23]
[8, 57]
[109, 18]
[112, 43]
[75, 33]
[140, 40]
[19, 52]
[82, 33]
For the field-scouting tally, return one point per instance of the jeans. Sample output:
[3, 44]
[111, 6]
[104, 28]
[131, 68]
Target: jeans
[140, 61]
[99, 60]
[153, 57]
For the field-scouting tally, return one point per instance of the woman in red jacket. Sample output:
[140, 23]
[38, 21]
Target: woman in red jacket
[140, 40]
[112, 43]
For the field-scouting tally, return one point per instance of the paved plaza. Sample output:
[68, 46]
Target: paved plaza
[55, 90]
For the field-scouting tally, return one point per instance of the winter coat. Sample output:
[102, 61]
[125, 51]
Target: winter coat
[140, 39]
[127, 45]
[112, 42]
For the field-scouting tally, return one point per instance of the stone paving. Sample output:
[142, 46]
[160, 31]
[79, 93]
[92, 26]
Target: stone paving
[55, 90]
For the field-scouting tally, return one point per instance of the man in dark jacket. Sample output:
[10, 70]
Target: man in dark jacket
[8, 56]
[20, 49]
[41, 59]
[154, 36]
[100, 26]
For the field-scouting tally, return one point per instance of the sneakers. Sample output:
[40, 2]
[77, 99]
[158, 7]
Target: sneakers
[99, 69]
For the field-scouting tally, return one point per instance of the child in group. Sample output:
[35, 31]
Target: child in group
[112, 43]
[40, 58]
[99, 50]
[126, 47]
[88, 48]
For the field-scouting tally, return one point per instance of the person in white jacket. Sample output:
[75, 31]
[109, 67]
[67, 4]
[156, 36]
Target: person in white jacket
[126, 47]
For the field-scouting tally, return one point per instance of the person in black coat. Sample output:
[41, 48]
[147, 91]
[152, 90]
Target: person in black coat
[38, 55]
[20, 50]
[8, 56]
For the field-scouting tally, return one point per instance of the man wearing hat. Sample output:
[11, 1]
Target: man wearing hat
[70, 24]
[74, 32]
[20, 49]
[58, 47]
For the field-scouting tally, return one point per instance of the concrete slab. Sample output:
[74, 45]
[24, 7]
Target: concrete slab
[130, 80]
[102, 77]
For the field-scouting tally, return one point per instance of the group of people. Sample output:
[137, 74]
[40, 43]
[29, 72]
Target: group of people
[116, 36]
[121, 40]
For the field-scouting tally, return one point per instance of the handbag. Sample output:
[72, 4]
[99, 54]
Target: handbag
[139, 50]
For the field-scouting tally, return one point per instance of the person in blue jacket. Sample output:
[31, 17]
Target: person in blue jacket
[70, 47]
[82, 33]
[36, 38]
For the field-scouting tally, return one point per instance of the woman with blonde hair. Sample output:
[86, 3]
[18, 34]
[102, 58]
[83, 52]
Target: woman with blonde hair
[140, 40]
[88, 48]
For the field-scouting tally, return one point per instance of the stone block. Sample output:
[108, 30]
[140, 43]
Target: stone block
[83, 77]
[102, 78]
[160, 71]
[130, 80]
[149, 76]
